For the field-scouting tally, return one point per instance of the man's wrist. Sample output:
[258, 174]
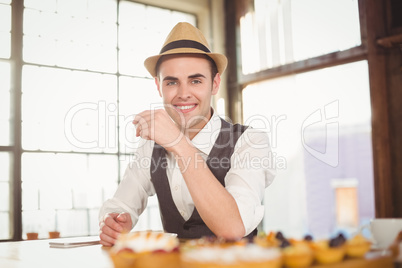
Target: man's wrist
[181, 147]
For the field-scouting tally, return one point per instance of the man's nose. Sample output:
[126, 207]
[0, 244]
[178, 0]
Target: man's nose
[183, 92]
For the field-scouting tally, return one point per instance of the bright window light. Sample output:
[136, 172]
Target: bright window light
[319, 125]
[79, 98]
[276, 32]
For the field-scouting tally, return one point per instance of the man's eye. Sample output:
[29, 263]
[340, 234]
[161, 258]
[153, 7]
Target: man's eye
[171, 83]
[196, 81]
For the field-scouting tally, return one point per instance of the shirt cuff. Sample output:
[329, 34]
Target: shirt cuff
[251, 211]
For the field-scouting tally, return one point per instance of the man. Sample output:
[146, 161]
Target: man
[208, 174]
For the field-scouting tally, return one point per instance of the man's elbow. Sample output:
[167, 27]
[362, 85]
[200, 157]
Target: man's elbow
[231, 234]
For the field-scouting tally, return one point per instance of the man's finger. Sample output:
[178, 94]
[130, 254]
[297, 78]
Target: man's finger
[104, 229]
[113, 215]
[113, 224]
[123, 217]
[106, 240]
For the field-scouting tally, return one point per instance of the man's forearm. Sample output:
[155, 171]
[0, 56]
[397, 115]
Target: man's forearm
[215, 204]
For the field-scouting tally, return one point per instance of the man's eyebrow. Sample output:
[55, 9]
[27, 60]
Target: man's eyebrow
[196, 75]
[170, 78]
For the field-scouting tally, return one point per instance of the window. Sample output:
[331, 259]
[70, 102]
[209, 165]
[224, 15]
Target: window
[296, 30]
[81, 76]
[319, 121]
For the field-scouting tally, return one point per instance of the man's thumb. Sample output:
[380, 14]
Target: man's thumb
[122, 217]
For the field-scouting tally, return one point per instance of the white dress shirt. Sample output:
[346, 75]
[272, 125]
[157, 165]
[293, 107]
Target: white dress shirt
[250, 173]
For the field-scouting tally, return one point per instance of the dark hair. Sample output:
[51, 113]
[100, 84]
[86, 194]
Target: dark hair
[212, 64]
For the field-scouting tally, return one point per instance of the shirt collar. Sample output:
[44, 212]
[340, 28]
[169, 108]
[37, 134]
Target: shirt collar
[205, 139]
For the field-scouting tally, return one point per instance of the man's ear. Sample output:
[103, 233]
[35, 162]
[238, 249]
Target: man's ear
[216, 83]
[158, 87]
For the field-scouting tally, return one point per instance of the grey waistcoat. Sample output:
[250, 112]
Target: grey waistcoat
[218, 162]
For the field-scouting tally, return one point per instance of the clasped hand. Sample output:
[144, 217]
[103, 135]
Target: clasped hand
[157, 125]
[112, 225]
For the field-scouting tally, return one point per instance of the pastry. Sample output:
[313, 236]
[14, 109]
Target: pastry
[298, 254]
[207, 241]
[267, 240]
[235, 256]
[146, 250]
[329, 251]
[214, 253]
[357, 246]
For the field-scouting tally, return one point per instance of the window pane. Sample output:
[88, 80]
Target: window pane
[5, 45]
[74, 36]
[4, 196]
[75, 8]
[5, 225]
[80, 116]
[339, 27]
[150, 25]
[5, 103]
[5, 167]
[5, 28]
[280, 32]
[44, 5]
[55, 196]
[320, 130]
[101, 10]
[131, 104]
[5, 206]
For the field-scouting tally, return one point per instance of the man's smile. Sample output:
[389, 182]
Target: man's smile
[185, 108]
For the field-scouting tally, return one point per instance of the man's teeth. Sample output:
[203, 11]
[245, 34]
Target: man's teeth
[185, 107]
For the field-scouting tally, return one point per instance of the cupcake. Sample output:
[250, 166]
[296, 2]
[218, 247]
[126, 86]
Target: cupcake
[146, 250]
[329, 251]
[212, 241]
[231, 256]
[267, 240]
[297, 254]
[357, 246]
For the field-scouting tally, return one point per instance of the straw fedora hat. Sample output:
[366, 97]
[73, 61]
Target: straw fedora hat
[185, 38]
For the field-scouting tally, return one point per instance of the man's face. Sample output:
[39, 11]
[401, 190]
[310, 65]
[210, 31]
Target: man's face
[186, 86]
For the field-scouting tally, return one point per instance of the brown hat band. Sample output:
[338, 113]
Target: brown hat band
[184, 43]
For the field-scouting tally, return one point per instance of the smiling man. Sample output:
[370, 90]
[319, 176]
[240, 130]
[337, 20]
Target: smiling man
[208, 174]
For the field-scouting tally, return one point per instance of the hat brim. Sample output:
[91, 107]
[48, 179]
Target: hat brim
[219, 59]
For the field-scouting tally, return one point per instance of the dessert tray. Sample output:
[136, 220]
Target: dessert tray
[273, 250]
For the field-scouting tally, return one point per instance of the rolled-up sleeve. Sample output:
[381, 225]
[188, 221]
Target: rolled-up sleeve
[252, 170]
[133, 191]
